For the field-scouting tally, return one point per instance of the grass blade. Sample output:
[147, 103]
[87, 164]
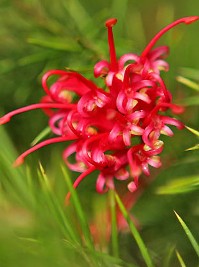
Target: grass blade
[190, 73]
[190, 101]
[83, 19]
[193, 148]
[168, 255]
[193, 131]
[135, 233]
[189, 234]
[188, 83]
[56, 209]
[180, 185]
[79, 211]
[55, 44]
[41, 135]
[182, 264]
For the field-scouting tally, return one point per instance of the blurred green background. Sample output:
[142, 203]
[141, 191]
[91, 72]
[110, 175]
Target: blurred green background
[38, 35]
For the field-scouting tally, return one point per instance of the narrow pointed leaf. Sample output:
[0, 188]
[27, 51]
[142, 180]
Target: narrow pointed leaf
[193, 148]
[189, 234]
[63, 45]
[188, 83]
[192, 131]
[135, 233]
[40, 136]
[190, 101]
[180, 185]
[190, 73]
[56, 209]
[79, 211]
[182, 264]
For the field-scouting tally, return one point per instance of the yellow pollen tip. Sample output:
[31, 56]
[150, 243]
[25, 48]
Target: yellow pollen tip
[158, 144]
[119, 76]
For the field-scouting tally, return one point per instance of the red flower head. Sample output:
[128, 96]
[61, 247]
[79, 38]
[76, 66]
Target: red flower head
[105, 125]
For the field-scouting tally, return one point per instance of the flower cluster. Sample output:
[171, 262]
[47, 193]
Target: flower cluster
[115, 130]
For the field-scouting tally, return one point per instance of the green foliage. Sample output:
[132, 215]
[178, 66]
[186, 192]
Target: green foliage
[135, 233]
[180, 185]
[187, 82]
[189, 234]
[182, 264]
[196, 133]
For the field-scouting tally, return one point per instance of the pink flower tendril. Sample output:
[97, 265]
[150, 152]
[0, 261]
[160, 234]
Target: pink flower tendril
[114, 131]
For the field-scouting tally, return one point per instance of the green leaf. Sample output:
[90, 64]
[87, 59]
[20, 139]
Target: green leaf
[56, 209]
[168, 255]
[83, 19]
[135, 233]
[113, 261]
[36, 57]
[41, 135]
[79, 210]
[53, 43]
[189, 83]
[192, 131]
[190, 101]
[189, 234]
[180, 185]
[182, 264]
[13, 179]
[193, 148]
[190, 73]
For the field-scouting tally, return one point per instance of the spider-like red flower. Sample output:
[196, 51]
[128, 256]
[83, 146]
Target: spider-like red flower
[115, 130]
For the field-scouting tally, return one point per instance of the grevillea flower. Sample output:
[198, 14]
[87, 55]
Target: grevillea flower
[115, 131]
